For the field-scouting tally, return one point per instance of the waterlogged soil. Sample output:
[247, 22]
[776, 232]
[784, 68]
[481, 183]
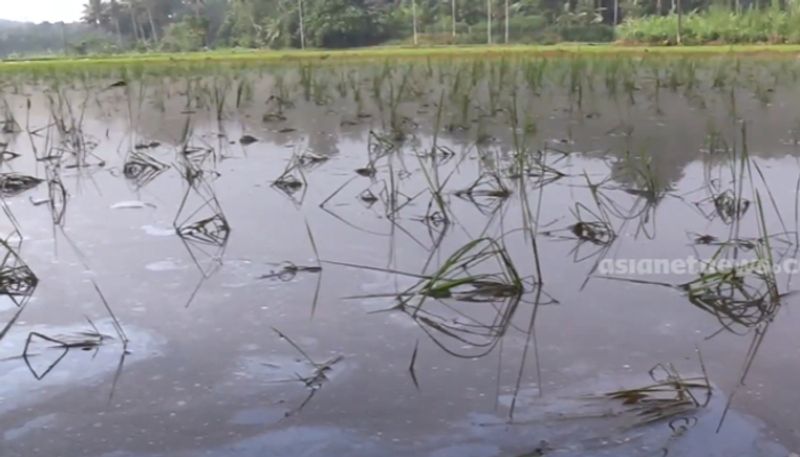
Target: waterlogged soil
[232, 261]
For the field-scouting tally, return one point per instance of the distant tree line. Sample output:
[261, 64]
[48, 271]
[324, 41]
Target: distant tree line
[184, 25]
[193, 24]
[29, 39]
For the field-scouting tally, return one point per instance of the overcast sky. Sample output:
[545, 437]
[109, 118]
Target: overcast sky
[41, 10]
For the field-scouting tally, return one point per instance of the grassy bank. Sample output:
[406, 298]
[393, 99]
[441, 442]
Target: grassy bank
[267, 56]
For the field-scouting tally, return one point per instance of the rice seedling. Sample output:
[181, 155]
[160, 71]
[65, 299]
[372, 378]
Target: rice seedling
[725, 205]
[670, 396]
[455, 274]
[278, 102]
[732, 297]
[69, 123]
[437, 211]
[244, 92]
[639, 178]
[289, 270]
[480, 271]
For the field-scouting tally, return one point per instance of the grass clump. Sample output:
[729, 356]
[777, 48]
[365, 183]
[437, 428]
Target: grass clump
[716, 26]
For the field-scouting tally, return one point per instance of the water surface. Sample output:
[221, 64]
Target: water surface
[248, 231]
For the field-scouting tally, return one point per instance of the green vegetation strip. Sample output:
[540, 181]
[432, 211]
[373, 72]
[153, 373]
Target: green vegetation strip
[410, 52]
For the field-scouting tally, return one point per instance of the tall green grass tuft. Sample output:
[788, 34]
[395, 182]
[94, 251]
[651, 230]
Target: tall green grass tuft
[717, 25]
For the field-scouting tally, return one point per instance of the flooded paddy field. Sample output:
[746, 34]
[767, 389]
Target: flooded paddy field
[413, 258]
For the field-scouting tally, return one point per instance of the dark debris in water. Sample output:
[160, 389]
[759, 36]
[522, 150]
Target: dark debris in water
[289, 271]
[12, 184]
[247, 140]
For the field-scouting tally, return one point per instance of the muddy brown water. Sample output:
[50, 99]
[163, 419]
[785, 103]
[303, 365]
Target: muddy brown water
[205, 372]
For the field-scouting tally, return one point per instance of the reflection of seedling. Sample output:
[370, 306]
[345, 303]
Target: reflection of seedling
[17, 280]
[5, 154]
[213, 230]
[26, 355]
[57, 200]
[288, 183]
[379, 145]
[465, 331]
[8, 124]
[277, 103]
[317, 378]
[487, 185]
[292, 179]
[368, 197]
[310, 159]
[85, 341]
[201, 225]
[201, 222]
[487, 193]
[142, 168]
[534, 166]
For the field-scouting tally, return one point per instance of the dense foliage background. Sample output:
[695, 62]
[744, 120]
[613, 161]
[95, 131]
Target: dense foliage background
[185, 25]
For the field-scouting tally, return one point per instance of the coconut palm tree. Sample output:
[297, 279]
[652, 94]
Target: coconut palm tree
[94, 13]
[453, 14]
[302, 24]
[114, 13]
[149, 5]
[489, 21]
[507, 16]
[414, 19]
